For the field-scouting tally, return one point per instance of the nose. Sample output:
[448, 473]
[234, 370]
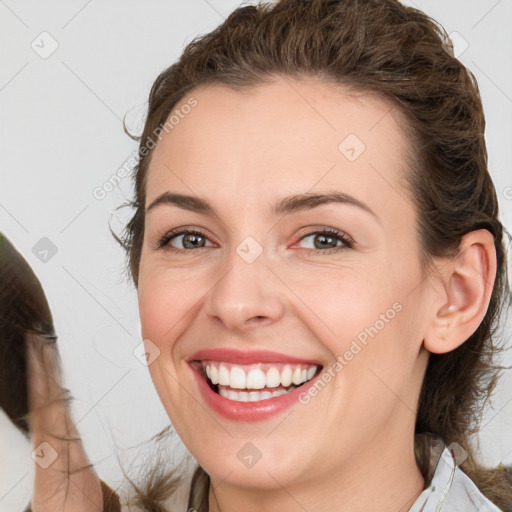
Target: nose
[246, 296]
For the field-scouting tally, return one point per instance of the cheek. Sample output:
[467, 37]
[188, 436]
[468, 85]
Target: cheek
[365, 317]
[160, 313]
[164, 298]
[345, 302]
[154, 309]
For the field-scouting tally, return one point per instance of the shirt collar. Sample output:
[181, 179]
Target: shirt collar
[447, 485]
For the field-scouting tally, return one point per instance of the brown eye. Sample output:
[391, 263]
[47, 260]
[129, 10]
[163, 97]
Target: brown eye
[183, 240]
[328, 240]
[191, 240]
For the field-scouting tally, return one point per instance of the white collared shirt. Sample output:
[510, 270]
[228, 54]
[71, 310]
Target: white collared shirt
[451, 490]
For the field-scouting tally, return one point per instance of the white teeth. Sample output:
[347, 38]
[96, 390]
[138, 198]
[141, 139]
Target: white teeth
[248, 377]
[296, 376]
[231, 394]
[214, 375]
[252, 396]
[237, 378]
[223, 375]
[273, 378]
[286, 376]
[255, 379]
[279, 392]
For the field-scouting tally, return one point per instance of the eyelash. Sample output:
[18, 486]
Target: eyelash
[334, 233]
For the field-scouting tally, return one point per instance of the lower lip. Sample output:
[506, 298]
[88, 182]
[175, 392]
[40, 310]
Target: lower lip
[248, 411]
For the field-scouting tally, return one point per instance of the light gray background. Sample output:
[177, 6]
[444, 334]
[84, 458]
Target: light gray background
[61, 136]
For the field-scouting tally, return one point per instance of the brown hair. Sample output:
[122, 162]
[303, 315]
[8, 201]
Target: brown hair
[405, 56]
[23, 309]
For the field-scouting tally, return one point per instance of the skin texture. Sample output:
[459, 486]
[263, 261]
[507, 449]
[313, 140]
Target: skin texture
[351, 446]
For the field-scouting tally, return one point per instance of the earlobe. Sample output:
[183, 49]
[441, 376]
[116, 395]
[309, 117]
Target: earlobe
[468, 283]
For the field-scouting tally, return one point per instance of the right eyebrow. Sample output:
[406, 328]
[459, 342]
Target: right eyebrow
[191, 203]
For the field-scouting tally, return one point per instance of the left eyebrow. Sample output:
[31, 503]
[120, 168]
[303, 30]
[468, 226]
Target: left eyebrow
[284, 206]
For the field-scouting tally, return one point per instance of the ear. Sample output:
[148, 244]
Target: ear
[467, 284]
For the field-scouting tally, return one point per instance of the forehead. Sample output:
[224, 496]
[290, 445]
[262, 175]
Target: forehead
[235, 147]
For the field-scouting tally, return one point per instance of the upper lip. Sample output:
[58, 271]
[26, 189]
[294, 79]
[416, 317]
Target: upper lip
[230, 355]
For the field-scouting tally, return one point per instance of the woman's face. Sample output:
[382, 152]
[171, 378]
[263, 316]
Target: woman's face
[271, 297]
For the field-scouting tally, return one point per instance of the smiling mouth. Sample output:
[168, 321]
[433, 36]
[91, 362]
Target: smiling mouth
[255, 382]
